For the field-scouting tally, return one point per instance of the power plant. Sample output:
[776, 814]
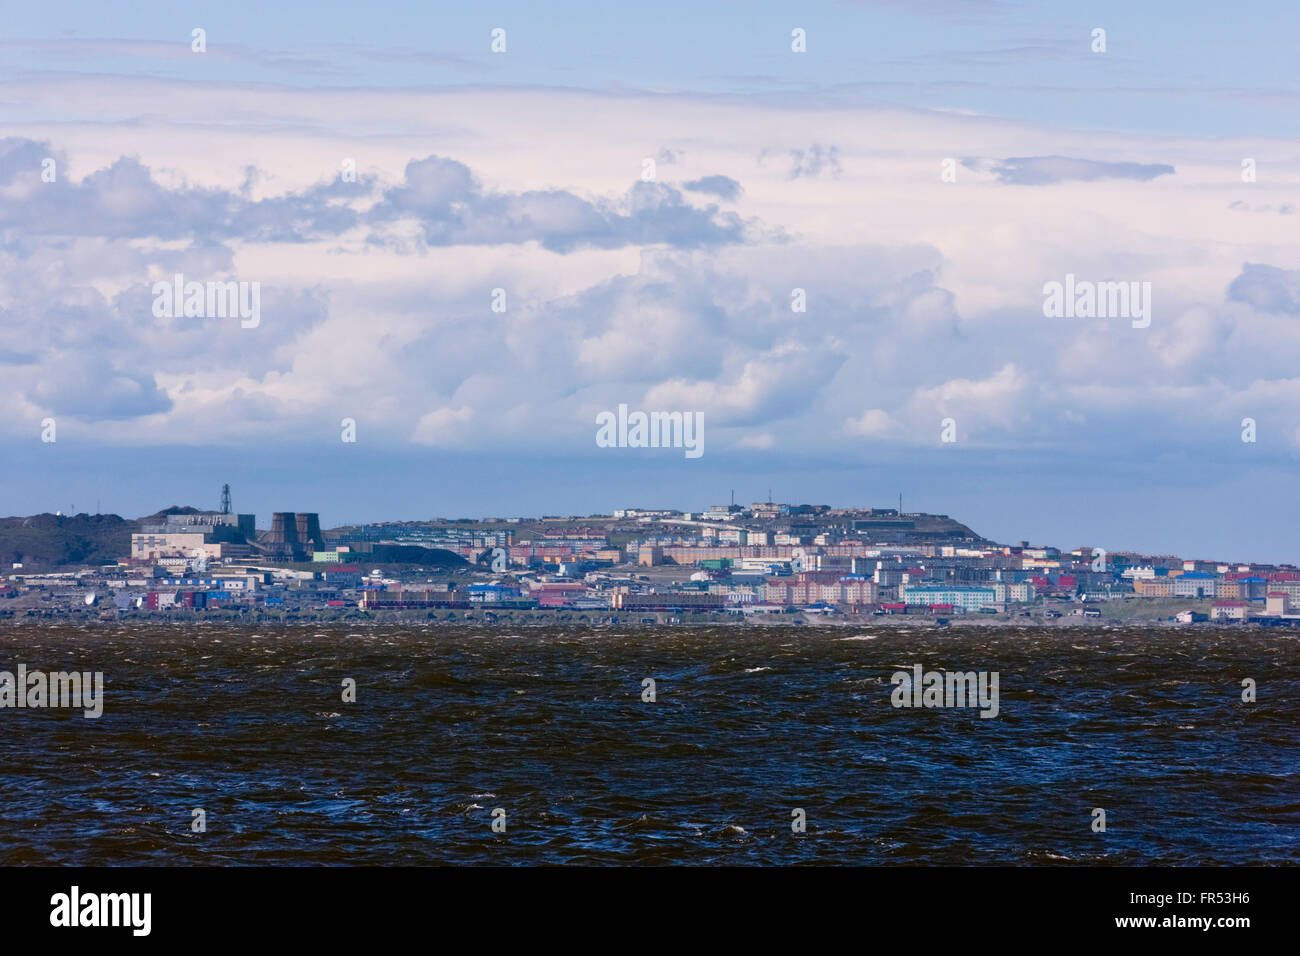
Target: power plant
[293, 536]
[225, 534]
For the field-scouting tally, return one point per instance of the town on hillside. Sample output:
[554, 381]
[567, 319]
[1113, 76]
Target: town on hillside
[765, 561]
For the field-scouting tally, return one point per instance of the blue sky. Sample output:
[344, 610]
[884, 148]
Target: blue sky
[773, 171]
[1168, 68]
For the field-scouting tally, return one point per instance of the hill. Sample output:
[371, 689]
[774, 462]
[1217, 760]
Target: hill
[46, 541]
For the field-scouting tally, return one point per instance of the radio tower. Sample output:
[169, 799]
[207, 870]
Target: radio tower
[225, 499]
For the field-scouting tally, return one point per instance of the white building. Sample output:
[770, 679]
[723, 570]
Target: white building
[966, 598]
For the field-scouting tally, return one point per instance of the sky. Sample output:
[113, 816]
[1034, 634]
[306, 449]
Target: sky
[469, 255]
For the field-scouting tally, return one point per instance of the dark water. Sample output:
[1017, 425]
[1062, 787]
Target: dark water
[749, 724]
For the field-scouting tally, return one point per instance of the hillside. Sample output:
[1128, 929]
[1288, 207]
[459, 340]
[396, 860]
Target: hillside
[43, 542]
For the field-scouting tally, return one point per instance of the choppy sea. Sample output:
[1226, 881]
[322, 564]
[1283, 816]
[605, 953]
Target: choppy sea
[547, 733]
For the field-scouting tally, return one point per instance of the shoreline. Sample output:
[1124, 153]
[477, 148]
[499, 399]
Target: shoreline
[660, 621]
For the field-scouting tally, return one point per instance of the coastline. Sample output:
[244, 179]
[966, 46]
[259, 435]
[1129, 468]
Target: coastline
[662, 620]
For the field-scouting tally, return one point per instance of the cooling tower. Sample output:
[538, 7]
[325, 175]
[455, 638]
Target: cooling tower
[309, 535]
[283, 540]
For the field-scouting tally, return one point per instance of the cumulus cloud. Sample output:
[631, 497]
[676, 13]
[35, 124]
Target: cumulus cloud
[452, 208]
[813, 162]
[1267, 288]
[873, 423]
[441, 196]
[724, 187]
[442, 426]
[770, 386]
[125, 201]
[651, 295]
[1045, 170]
[1283, 209]
[96, 390]
[995, 400]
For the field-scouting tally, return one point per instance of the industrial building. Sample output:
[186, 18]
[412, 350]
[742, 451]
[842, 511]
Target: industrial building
[217, 536]
[293, 536]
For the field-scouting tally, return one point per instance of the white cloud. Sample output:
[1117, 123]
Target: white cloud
[924, 297]
[873, 423]
[996, 401]
[443, 426]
